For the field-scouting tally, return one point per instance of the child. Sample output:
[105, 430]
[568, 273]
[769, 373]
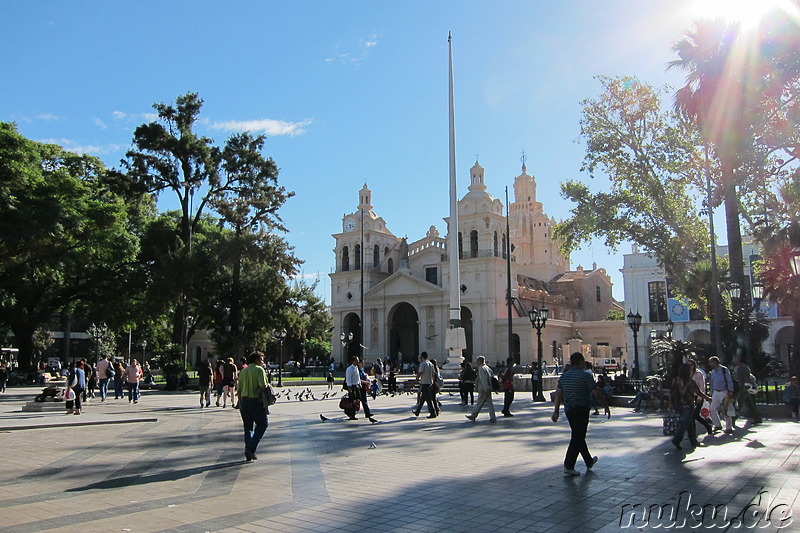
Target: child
[69, 396]
[330, 381]
[375, 388]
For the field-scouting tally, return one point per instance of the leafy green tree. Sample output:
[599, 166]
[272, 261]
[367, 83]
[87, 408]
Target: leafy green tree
[64, 236]
[237, 182]
[651, 160]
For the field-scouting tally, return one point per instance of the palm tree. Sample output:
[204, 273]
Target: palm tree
[716, 98]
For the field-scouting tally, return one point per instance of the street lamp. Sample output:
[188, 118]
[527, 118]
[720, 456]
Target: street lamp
[635, 321]
[670, 327]
[280, 336]
[735, 291]
[346, 339]
[794, 261]
[144, 353]
[538, 321]
[758, 295]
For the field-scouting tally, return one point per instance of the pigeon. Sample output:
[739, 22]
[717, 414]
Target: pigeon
[323, 418]
[372, 445]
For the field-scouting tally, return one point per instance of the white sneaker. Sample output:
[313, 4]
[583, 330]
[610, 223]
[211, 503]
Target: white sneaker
[571, 472]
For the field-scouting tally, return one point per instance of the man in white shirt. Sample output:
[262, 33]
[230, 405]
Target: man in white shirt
[425, 376]
[352, 382]
[484, 387]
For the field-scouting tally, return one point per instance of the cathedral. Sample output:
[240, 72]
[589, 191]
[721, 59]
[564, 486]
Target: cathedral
[406, 285]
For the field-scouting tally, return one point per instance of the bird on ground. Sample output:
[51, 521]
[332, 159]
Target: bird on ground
[323, 418]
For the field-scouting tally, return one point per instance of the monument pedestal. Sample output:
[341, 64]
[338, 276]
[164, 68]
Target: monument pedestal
[455, 341]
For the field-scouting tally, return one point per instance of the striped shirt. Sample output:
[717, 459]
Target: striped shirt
[576, 386]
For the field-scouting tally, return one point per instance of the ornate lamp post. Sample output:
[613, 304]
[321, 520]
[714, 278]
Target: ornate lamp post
[346, 339]
[538, 321]
[144, 352]
[670, 327]
[794, 261]
[758, 295]
[634, 322]
[280, 336]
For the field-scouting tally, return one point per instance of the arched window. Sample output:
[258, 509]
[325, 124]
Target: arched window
[345, 258]
[390, 266]
[496, 253]
[376, 257]
[460, 246]
[357, 265]
[504, 246]
[473, 243]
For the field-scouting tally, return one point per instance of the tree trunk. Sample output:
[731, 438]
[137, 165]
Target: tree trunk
[735, 254]
[795, 356]
[23, 335]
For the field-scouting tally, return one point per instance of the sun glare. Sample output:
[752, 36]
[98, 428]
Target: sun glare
[745, 12]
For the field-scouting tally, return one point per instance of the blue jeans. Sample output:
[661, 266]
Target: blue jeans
[103, 388]
[118, 389]
[253, 414]
[133, 392]
[687, 425]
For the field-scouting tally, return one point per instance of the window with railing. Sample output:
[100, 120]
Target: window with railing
[345, 259]
[358, 257]
[473, 243]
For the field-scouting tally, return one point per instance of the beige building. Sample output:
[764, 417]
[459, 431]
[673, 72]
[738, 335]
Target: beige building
[406, 299]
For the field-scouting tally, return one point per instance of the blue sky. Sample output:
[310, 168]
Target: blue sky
[347, 92]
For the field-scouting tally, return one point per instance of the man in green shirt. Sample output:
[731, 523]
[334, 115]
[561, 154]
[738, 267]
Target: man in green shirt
[252, 380]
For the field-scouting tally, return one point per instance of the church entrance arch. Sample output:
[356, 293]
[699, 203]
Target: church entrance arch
[466, 323]
[351, 325]
[404, 333]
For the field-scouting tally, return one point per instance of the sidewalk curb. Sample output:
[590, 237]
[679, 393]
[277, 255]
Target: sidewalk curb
[73, 424]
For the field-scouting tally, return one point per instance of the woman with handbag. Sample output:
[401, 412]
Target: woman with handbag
[682, 396]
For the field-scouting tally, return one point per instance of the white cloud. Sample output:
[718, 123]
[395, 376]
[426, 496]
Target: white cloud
[268, 126]
[78, 148]
[119, 115]
[99, 123]
[48, 117]
[356, 53]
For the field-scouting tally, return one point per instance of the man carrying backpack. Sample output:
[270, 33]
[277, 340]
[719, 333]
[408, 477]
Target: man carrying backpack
[721, 383]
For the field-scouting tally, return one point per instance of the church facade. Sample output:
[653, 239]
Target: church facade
[405, 285]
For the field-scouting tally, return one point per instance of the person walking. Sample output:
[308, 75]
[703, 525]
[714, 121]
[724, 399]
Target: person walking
[683, 396]
[534, 380]
[699, 377]
[747, 407]
[507, 382]
[105, 371]
[229, 375]
[466, 383]
[391, 380]
[483, 383]
[352, 384]
[204, 380]
[425, 376]
[364, 391]
[252, 380]
[575, 387]
[119, 379]
[76, 380]
[3, 375]
[721, 383]
[133, 373]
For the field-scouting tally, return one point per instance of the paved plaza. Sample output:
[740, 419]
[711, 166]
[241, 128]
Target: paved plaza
[168, 465]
